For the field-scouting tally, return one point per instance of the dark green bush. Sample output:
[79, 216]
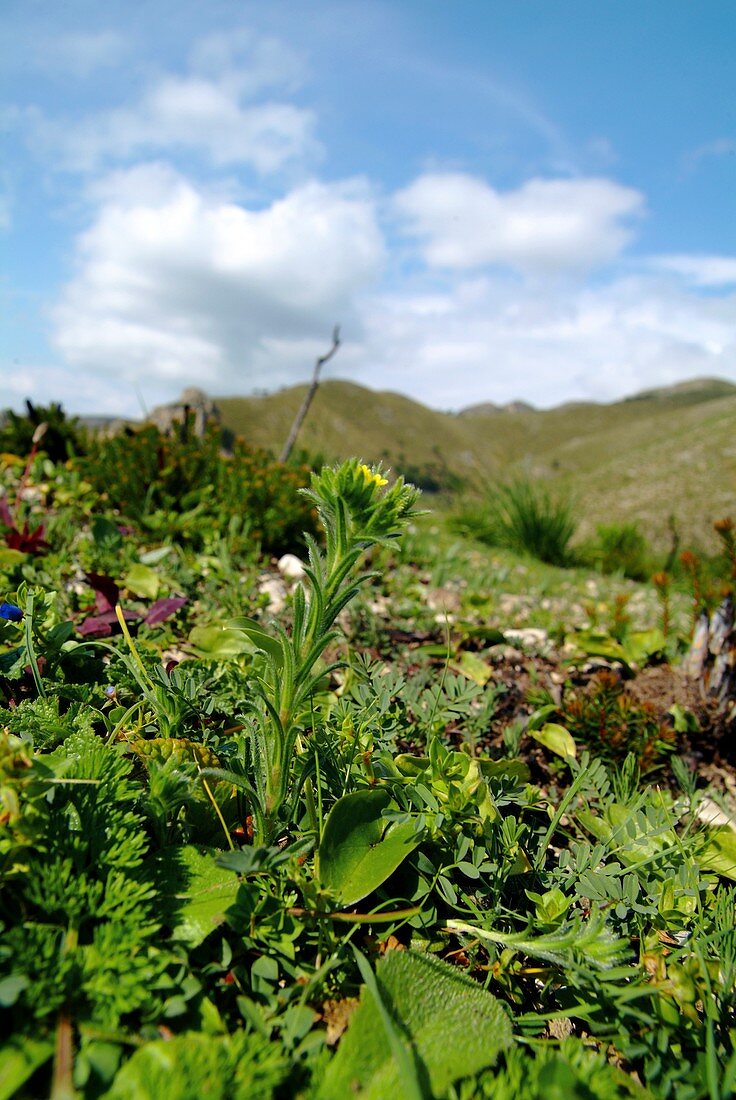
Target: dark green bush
[430, 477]
[143, 473]
[62, 438]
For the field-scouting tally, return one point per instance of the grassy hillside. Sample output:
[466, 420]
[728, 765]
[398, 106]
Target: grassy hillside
[669, 452]
[348, 419]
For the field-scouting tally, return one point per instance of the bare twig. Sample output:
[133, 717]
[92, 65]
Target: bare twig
[299, 418]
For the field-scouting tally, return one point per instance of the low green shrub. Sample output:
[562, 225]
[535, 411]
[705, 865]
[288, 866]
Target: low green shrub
[144, 473]
[612, 723]
[620, 548]
[62, 437]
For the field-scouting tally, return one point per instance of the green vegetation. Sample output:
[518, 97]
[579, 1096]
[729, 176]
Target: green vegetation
[621, 548]
[46, 427]
[526, 517]
[413, 817]
[162, 480]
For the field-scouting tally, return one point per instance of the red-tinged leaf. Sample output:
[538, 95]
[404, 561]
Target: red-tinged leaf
[6, 516]
[96, 626]
[107, 593]
[102, 626]
[163, 609]
[27, 541]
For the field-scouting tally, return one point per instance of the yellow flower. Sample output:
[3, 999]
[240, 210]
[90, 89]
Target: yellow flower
[371, 477]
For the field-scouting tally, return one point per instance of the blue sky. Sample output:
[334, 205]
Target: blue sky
[497, 199]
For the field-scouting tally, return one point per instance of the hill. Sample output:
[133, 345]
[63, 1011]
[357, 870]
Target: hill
[662, 453]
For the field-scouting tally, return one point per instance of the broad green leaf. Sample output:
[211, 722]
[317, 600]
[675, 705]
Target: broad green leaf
[11, 989]
[616, 827]
[197, 891]
[106, 533]
[20, 1057]
[452, 1026]
[194, 1066]
[472, 667]
[511, 769]
[142, 581]
[539, 716]
[413, 766]
[551, 906]
[683, 719]
[9, 558]
[719, 853]
[636, 649]
[640, 645]
[490, 635]
[219, 641]
[555, 738]
[431, 649]
[361, 846]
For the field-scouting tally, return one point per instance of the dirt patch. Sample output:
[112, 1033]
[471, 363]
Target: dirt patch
[522, 678]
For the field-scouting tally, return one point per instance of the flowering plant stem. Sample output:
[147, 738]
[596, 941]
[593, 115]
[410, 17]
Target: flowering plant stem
[358, 510]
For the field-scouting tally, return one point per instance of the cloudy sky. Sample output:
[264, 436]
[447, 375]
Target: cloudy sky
[496, 199]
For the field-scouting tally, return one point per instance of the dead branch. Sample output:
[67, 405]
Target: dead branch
[299, 418]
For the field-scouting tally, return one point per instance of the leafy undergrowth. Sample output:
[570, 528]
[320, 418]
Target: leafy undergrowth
[411, 818]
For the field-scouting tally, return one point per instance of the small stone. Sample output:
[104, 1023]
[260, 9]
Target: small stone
[531, 637]
[291, 567]
[274, 588]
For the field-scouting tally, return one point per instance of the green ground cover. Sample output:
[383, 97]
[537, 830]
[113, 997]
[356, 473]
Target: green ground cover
[399, 818]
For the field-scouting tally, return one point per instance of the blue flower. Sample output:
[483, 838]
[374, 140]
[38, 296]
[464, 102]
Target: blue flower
[11, 612]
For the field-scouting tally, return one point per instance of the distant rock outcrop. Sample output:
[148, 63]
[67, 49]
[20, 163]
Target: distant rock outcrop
[487, 408]
[193, 406]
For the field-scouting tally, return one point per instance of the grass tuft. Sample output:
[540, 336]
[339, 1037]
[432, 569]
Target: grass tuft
[524, 516]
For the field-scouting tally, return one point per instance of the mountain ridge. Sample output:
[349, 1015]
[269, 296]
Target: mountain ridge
[665, 452]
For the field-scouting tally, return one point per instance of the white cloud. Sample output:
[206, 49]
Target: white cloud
[543, 227]
[248, 62]
[231, 108]
[711, 150]
[47, 382]
[705, 271]
[180, 285]
[197, 115]
[486, 339]
[175, 285]
[81, 54]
